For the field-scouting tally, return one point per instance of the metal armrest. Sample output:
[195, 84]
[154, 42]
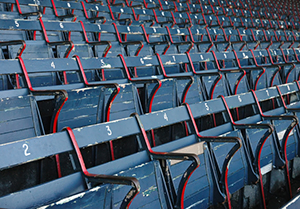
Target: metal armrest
[31, 14]
[188, 85]
[198, 12]
[138, 5]
[238, 144]
[185, 43]
[15, 42]
[209, 73]
[126, 20]
[141, 45]
[183, 23]
[236, 140]
[281, 117]
[166, 22]
[47, 92]
[119, 180]
[163, 156]
[57, 43]
[118, 4]
[109, 85]
[159, 43]
[185, 176]
[144, 80]
[293, 109]
[261, 142]
[65, 16]
[97, 18]
[93, 2]
[156, 7]
[167, 10]
[202, 42]
[148, 21]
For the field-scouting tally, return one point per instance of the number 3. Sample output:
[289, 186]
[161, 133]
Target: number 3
[109, 132]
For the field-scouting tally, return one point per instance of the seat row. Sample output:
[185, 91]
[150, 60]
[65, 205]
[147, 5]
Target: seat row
[46, 39]
[245, 139]
[181, 15]
[154, 82]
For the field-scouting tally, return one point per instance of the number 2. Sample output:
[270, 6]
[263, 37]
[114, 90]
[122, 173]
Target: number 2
[25, 146]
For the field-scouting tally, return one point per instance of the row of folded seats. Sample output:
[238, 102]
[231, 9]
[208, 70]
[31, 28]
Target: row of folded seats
[248, 140]
[161, 12]
[153, 12]
[124, 108]
[155, 82]
[63, 39]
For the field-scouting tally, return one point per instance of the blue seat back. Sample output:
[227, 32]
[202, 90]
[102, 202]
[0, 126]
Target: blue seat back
[21, 117]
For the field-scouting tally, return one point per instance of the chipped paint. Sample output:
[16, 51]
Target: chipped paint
[292, 104]
[123, 85]
[44, 207]
[105, 66]
[147, 192]
[110, 90]
[267, 168]
[281, 134]
[147, 58]
[79, 90]
[13, 108]
[81, 116]
[195, 204]
[69, 199]
[79, 129]
[95, 189]
[225, 134]
[170, 63]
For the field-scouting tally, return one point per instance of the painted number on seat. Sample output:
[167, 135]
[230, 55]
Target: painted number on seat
[142, 61]
[52, 65]
[26, 153]
[166, 117]
[240, 99]
[109, 132]
[206, 106]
